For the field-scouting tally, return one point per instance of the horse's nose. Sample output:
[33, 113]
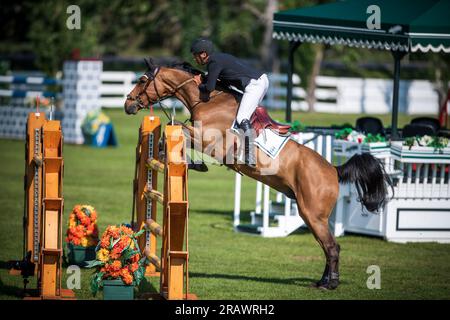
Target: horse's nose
[130, 108]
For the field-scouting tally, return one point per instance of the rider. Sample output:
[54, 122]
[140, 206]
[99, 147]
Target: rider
[232, 71]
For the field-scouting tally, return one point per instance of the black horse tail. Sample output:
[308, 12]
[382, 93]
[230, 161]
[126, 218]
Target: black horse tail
[370, 178]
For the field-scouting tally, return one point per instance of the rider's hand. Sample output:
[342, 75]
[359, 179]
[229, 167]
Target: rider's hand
[204, 93]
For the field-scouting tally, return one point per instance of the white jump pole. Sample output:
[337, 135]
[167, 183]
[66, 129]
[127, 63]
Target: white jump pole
[237, 200]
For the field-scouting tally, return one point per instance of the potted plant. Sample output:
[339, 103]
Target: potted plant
[422, 149]
[349, 142]
[82, 235]
[119, 264]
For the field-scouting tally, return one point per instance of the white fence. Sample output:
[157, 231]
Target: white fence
[333, 95]
[356, 95]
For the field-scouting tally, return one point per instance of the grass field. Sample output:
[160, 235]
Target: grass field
[223, 264]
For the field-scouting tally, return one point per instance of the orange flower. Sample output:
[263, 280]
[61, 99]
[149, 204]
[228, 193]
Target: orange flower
[93, 216]
[124, 241]
[116, 265]
[115, 253]
[133, 267]
[126, 276]
[126, 230]
[105, 242]
[135, 258]
[90, 229]
[81, 228]
[113, 231]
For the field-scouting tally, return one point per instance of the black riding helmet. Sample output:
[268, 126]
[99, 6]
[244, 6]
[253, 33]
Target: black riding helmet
[202, 45]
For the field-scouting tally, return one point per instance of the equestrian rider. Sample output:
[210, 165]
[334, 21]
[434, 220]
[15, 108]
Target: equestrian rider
[232, 71]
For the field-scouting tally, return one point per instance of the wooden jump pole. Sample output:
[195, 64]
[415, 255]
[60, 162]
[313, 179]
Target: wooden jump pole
[43, 208]
[173, 264]
[146, 183]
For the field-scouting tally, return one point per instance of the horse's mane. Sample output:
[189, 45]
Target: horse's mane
[185, 66]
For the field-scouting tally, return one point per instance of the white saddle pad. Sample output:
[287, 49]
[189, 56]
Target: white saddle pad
[268, 141]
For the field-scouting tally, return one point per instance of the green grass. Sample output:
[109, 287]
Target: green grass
[223, 264]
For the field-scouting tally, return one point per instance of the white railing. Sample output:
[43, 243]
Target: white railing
[333, 94]
[355, 95]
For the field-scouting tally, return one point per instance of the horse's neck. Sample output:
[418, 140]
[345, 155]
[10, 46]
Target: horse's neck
[219, 110]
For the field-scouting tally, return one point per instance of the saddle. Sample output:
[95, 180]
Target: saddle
[261, 120]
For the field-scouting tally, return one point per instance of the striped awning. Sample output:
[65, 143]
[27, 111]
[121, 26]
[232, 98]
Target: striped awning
[405, 25]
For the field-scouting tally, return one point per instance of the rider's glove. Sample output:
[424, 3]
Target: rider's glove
[204, 93]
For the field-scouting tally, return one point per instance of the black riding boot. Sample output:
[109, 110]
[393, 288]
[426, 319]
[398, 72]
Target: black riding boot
[248, 142]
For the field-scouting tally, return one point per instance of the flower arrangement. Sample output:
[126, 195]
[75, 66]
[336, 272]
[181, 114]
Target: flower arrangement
[118, 257]
[83, 230]
[438, 143]
[348, 134]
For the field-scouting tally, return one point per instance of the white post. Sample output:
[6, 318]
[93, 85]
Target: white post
[426, 193]
[279, 197]
[258, 197]
[237, 200]
[339, 211]
[328, 148]
[266, 207]
[287, 207]
[319, 145]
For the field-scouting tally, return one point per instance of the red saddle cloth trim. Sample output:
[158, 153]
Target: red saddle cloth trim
[261, 120]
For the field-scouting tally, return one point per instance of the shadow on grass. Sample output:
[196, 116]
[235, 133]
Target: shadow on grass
[304, 282]
[11, 291]
[227, 213]
[146, 289]
[6, 265]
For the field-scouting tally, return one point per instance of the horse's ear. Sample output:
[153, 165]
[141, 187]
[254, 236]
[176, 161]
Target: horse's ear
[149, 63]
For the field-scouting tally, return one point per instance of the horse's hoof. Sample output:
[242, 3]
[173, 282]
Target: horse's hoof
[331, 285]
[325, 285]
[318, 284]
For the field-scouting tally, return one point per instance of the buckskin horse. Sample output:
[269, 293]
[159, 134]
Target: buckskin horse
[302, 175]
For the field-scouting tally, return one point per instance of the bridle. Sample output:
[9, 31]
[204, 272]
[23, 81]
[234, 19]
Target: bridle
[149, 78]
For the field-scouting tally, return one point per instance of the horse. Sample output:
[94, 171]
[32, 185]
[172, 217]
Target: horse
[303, 175]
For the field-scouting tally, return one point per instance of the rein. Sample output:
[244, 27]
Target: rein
[160, 99]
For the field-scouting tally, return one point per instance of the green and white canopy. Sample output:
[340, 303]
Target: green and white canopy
[406, 25]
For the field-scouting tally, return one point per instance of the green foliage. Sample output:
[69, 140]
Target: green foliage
[436, 142]
[52, 41]
[343, 133]
[297, 126]
[374, 138]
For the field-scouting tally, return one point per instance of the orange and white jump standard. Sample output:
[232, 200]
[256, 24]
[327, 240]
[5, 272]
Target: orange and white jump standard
[43, 209]
[173, 266]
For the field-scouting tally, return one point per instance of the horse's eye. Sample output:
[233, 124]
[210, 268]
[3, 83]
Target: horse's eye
[142, 81]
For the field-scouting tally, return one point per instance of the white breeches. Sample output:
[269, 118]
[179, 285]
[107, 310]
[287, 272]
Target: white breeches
[253, 95]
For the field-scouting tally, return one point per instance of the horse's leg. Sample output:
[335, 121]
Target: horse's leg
[320, 229]
[316, 194]
[189, 133]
